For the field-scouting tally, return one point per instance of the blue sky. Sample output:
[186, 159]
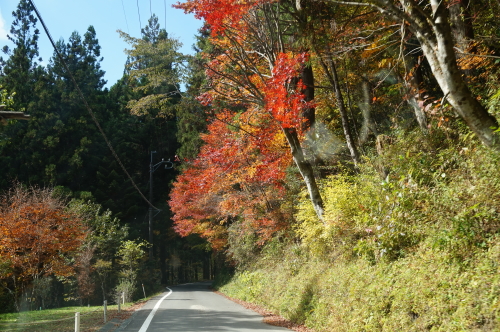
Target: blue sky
[65, 16]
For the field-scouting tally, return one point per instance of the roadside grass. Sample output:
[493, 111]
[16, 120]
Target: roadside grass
[418, 250]
[63, 319]
[424, 291]
[60, 319]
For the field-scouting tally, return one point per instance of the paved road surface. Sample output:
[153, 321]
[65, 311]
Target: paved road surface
[193, 307]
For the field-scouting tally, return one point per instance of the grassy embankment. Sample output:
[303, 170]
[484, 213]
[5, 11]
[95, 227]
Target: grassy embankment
[63, 319]
[417, 251]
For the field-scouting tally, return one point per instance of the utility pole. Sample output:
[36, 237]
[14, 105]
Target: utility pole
[152, 168]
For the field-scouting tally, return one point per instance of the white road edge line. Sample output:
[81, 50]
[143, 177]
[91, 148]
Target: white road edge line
[148, 320]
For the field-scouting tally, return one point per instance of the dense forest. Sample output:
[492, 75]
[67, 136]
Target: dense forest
[58, 170]
[334, 161]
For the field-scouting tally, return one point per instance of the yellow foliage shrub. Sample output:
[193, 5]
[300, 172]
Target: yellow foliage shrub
[344, 205]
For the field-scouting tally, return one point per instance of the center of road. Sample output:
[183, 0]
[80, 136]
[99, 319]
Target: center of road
[194, 307]
[148, 320]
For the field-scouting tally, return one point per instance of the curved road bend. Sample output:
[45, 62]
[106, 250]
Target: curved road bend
[194, 307]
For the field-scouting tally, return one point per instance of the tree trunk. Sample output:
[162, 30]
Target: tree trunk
[461, 23]
[461, 28]
[309, 113]
[163, 266]
[442, 60]
[305, 170]
[413, 81]
[331, 72]
[433, 31]
[365, 106]
[206, 268]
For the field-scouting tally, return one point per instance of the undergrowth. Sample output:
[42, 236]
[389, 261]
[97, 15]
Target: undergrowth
[410, 242]
[422, 292]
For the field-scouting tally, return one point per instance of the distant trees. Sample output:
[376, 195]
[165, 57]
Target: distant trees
[154, 70]
[191, 114]
[51, 146]
[61, 147]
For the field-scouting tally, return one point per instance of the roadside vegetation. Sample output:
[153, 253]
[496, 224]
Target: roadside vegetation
[63, 319]
[348, 189]
[415, 251]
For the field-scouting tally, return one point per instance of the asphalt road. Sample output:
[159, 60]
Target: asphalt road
[194, 307]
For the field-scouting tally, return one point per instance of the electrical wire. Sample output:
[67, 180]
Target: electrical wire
[125, 14]
[165, 5]
[139, 13]
[82, 97]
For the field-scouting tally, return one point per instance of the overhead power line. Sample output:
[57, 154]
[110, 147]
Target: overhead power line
[82, 97]
[139, 13]
[125, 14]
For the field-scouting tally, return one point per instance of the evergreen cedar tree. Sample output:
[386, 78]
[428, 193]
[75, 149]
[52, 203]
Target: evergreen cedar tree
[21, 71]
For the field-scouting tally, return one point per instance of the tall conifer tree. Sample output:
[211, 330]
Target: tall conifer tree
[191, 114]
[21, 70]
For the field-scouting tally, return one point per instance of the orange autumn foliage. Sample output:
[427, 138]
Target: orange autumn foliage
[283, 103]
[238, 173]
[219, 14]
[37, 234]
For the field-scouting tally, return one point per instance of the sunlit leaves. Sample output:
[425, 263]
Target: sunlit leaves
[284, 98]
[239, 173]
[155, 71]
[37, 234]
[219, 14]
